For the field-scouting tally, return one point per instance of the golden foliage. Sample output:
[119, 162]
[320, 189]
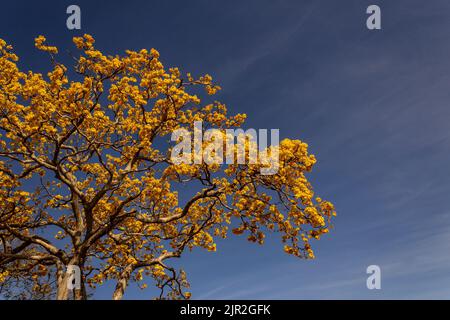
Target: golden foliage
[86, 176]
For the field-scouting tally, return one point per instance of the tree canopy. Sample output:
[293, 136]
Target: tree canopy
[86, 177]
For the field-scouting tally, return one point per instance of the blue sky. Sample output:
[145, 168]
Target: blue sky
[374, 107]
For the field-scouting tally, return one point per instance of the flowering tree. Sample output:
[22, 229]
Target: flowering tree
[86, 177]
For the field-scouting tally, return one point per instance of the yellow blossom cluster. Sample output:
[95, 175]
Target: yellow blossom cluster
[3, 276]
[39, 43]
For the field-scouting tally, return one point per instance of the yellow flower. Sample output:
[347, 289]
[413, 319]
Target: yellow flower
[39, 43]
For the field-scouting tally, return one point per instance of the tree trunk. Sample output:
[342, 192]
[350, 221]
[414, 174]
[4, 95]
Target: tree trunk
[122, 283]
[80, 294]
[63, 283]
[63, 290]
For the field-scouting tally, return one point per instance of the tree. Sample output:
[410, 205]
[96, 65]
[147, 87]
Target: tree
[86, 177]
